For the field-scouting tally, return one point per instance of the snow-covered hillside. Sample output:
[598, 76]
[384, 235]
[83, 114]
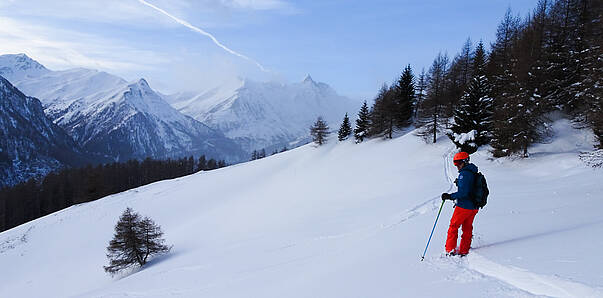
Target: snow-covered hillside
[266, 115]
[341, 220]
[119, 120]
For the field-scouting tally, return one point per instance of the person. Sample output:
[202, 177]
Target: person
[464, 210]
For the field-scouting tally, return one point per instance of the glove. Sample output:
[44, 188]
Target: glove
[446, 196]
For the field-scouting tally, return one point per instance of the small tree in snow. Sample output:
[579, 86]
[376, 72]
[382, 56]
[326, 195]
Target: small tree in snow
[346, 128]
[363, 123]
[135, 239]
[319, 131]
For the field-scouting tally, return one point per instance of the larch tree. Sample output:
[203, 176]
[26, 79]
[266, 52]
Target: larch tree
[135, 239]
[319, 131]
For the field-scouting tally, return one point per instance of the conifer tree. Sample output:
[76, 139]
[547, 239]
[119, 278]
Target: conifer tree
[319, 131]
[421, 89]
[432, 115]
[346, 128]
[134, 241]
[473, 114]
[362, 123]
[519, 118]
[405, 98]
[383, 112]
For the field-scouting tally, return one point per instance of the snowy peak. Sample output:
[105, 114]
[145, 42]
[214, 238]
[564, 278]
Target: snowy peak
[31, 145]
[18, 66]
[267, 115]
[118, 119]
[308, 79]
[21, 62]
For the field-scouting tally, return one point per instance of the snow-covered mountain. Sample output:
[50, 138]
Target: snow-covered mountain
[117, 119]
[266, 115]
[30, 143]
[313, 222]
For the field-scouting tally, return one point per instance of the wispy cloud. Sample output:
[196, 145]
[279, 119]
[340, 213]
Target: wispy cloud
[62, 48]
[203, 32]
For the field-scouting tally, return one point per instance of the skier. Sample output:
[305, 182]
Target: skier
[464, 210]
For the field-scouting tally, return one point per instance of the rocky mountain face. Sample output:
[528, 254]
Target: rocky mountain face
[30, 143]
[115, 119]
[266, 115]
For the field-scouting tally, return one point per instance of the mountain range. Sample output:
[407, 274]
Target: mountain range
[113, 118]
[110, 119]
[30, 143]
[266, 115]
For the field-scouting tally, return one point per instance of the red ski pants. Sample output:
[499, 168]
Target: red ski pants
[461, 217]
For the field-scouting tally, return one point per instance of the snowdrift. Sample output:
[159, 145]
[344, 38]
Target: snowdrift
[341, 220]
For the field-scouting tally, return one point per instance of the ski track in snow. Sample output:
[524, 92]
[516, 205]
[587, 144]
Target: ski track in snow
[519, 278]
[535, 284]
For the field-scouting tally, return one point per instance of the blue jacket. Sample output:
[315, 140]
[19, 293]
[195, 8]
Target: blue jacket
[465, 185]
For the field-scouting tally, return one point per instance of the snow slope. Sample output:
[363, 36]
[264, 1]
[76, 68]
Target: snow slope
[266, 115]
[341, 220]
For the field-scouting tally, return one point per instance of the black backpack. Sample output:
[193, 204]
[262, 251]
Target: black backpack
[480, 192]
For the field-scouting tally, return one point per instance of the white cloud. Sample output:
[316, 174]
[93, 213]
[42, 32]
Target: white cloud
[62, 48]
[128, 39]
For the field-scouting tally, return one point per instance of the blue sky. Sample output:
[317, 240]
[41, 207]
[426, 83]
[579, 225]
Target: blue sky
[355, 46]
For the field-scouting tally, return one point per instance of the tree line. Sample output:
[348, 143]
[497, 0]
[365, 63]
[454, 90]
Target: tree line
[550, 61]
[60, 189]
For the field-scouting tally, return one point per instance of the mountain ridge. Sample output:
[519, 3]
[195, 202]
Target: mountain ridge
[120, 120]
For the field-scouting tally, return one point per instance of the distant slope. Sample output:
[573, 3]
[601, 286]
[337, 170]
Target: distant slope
[116, 119]
[30, 144]
[315, 222]
[266, 115]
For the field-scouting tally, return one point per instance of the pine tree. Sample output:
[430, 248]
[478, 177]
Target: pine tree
[202, 163]
[432, 115]
[383, 112]
[346, 129]
[518, 83]
[473, 114]
[584, 80]
[421, 88]
[362, 123]
[319, 131]
[405, 98]
[473, 117]
[458, 77]
[135, 239]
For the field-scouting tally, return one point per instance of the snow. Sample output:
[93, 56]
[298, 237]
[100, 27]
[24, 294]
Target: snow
[91, 105]
[339, 220]
[265, 114]
[463, 138]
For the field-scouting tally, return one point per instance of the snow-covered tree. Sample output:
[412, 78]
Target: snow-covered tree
[362, 123]
[473, 115]
[421, 88]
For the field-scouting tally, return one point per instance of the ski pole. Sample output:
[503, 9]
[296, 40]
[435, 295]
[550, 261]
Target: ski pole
[434, 225]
